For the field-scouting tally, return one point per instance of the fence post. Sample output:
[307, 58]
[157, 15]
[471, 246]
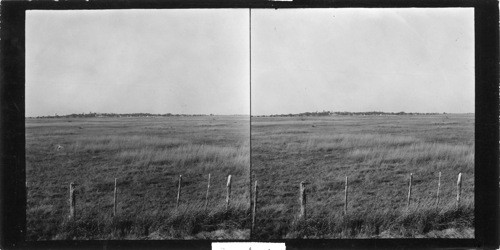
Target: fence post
[114, 200]
[254, 212]
[439, 187]
[345, 195]
[459, 188]
[303, 200]
[228, 188]
[206, 196]
[72, 200]
[179, 191]
[409, 193]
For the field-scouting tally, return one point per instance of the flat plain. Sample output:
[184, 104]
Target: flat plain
[146, 155]
[377, 154]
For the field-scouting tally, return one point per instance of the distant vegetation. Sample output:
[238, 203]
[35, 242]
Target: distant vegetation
[92, 114]
[329, 113]
[323, 113]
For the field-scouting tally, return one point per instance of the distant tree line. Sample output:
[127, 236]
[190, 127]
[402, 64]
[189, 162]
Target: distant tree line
[329, 113]
[323, 113]
[92, 114]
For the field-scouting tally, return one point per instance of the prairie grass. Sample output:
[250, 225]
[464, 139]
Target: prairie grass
[187, 222]
[419, 222]
[377, 154]
[146, 155]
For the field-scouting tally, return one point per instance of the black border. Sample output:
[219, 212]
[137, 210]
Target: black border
[12, 121]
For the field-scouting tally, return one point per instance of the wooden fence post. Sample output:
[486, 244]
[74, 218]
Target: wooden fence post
[114, 200]
[459, 188]
[254, 212]
[345, 196]
[409, 193]
[72, 200]
[179, 191]
[206, 196]
[228, 189]
[439, 187]
[303, 200]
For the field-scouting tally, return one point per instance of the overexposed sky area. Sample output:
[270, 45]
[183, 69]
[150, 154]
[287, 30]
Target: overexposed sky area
[125, 61]
[198, 61]
[412, 60]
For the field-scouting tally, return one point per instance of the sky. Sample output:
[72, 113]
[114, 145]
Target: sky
[196, 61]
[392, 60]
[129, 61]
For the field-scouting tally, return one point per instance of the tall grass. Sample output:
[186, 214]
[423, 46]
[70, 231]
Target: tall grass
[186, 222]
[146, 155]
[426, 221]
[377, 154]
[375, 148]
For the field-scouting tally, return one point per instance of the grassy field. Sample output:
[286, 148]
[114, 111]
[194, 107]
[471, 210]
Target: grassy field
[146, 155]
[377, 153]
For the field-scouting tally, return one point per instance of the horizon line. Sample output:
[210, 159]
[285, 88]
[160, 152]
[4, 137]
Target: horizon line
[387, 112]
[201, 114]
[135, 113]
